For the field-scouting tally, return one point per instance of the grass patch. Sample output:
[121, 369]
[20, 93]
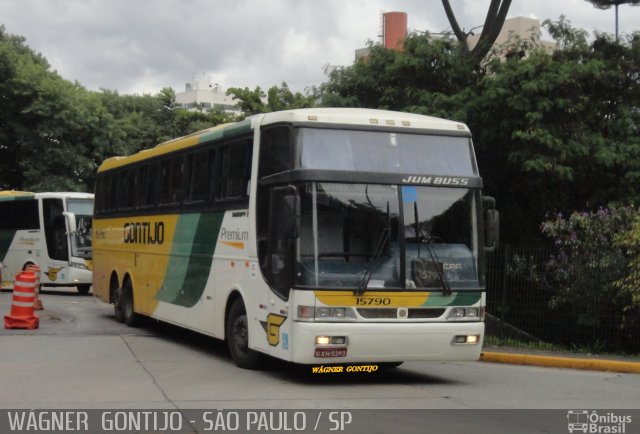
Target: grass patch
[494, 341]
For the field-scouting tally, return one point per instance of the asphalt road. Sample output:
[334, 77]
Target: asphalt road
[80, 357]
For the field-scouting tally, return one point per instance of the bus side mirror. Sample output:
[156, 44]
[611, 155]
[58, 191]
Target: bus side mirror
[285, 213]
[71, 222]
[491, 224]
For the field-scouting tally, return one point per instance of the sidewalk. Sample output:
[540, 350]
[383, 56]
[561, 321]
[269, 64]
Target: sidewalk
[523, 356]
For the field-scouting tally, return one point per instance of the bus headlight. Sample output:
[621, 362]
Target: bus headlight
[323, 313]
[466, 314]
[78, 265]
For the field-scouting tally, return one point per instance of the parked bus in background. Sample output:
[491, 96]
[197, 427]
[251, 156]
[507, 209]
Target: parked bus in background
[312, 235]
[51, 230]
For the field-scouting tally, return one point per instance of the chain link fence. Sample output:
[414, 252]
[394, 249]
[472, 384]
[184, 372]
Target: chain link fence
[562, 296]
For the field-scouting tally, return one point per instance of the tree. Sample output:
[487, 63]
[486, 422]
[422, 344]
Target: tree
[255, 101]
[250, 101]
[493, 22]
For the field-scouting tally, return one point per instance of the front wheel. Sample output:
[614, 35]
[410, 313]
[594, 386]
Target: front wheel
[83, 289]
[237, 334]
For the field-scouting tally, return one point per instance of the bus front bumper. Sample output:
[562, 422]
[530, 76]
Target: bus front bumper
[386, 342]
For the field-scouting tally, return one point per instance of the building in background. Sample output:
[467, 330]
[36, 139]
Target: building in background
[518, 27]
[204, 94]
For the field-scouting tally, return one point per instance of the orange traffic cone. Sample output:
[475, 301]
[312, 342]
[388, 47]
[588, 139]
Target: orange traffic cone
[22, 315]
[37, 304]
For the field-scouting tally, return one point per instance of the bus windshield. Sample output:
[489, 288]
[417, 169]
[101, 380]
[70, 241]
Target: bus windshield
[385, 152]
[81, 239]
[403, 236]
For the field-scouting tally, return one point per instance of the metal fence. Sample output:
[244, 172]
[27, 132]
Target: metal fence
[564, 296]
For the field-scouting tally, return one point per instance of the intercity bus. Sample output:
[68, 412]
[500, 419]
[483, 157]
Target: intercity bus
[311, 235]
[51, 230]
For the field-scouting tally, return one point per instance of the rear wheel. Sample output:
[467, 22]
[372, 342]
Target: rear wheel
[237, 333]
[83, 289]
[117, 304]
[131, 318]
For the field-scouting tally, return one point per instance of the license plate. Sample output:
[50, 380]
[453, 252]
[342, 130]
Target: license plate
[331, 352]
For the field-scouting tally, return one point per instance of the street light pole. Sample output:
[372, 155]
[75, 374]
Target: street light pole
[617, 21]
[606, 4]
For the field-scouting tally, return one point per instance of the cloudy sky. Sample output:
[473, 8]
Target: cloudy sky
[140, 46]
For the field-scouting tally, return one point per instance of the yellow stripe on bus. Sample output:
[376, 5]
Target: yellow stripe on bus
[372, 298]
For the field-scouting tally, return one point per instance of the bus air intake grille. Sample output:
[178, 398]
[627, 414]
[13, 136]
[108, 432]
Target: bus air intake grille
[379, 313]
[426, 313]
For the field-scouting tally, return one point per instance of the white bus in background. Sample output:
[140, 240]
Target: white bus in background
[51, 230]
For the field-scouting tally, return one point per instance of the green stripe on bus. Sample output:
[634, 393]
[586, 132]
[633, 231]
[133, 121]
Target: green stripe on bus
[190, 260]
[199, 266]
[20, 197]
[6, 236]
[230, 131]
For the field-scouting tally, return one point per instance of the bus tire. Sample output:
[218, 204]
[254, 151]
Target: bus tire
[117, 304]
[131, 318]
[83, 289]
[237, 334]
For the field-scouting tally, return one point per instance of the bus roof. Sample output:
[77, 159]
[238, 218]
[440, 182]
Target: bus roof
[332, 116]
[8, 195]
[365, 117]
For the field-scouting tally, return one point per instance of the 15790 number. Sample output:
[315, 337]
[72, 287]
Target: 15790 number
[373, 301]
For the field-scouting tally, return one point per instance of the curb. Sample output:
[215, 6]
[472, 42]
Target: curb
[561, 362]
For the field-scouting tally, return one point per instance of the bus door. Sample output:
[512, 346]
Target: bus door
[57, 241]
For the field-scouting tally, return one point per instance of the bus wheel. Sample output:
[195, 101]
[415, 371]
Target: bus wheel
[117, 304]
[83, 289]
[131, 318]
[237, 333]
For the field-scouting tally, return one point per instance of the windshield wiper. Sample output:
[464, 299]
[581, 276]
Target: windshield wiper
[420, 235]
[368, 272]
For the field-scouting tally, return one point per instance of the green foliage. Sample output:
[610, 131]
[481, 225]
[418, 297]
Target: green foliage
[629, 285]
[591, 273]
[255, 101]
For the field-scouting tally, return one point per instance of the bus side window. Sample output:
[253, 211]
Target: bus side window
[172, 178]
[99, 195]
[235, 167]
[112, 191]
[126, 189]
[199, 164]
[148, 185]
[276, 151]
